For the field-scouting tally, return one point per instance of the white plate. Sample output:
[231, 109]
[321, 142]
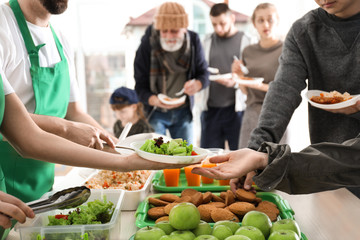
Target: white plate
[249, 82]
[340, 105]
[220, 76]
[173, 101]
[202, 153]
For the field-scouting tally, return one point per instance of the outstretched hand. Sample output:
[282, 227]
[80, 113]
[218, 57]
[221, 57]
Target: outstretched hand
[235, 165]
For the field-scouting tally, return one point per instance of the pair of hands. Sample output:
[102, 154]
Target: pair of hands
[235, 166]
[13, 207]
[190, 88]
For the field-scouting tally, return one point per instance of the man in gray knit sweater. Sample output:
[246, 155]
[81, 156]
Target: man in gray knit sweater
[323, 47]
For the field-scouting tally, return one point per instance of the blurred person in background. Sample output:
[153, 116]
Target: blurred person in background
[223, 107]
[262, 61]
[38, 63]
[323, 47]
[170, 58]
[125, 103]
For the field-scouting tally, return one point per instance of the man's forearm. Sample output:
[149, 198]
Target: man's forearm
[51, 124]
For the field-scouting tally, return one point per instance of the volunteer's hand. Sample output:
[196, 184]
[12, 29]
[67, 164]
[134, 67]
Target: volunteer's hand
[235, 67]
[134, 162]
[193, 86]
[87, 135]
[235, 165]
[13, 207]
[228, 82]
[348, 110]
[154, 101]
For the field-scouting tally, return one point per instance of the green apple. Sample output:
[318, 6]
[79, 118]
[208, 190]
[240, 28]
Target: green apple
[202, 229]
[149, 233]
[222, 232]
[286, 224]
[259, 220]
[185, 235]
[168, 237]
[206, 237]
[251, 232]
[165, 226]
[184, 216]
[237, 237]
[284, 235]
[231, 224]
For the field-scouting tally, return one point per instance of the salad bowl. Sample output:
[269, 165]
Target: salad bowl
[201, 154]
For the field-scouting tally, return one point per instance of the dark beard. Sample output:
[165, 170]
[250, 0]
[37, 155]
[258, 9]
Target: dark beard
[55, 6]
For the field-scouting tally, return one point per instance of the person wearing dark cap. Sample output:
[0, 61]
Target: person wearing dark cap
[170, 58]
[127, 108]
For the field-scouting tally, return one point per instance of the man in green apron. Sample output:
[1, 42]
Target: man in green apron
[28, 179]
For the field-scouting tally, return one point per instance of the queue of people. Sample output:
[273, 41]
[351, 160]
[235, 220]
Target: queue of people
[40, 109]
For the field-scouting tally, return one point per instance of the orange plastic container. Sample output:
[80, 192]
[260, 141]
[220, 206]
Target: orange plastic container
[206, 180]
[224, 182]
[171, 177]
[191, 178]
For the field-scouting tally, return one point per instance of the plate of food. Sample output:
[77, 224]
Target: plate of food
[249, 80]
[330, 100]
[171, 101]
[220, 76]
[175, 151]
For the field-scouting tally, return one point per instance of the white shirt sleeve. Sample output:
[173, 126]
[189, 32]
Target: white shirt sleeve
[6, 85]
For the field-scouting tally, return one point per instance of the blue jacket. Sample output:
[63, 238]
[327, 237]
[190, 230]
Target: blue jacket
[198, 67]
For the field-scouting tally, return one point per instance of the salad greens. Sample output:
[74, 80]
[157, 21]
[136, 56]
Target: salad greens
[175, 147]
[95, 212]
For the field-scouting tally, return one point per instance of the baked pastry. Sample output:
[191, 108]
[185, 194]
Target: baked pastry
[219, 214]
[156, 212]
[244, 195]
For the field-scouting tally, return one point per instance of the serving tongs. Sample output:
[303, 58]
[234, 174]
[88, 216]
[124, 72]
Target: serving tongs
[64, 199]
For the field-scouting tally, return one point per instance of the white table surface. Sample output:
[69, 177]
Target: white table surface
[330, 215]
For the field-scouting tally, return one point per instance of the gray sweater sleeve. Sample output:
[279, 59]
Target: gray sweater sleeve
[283, 96]
[319, 167]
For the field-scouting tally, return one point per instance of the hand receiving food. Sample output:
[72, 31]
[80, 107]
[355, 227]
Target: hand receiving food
[235, 165]
[193, 86]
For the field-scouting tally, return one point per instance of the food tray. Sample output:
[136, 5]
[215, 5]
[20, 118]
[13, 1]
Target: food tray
[131, 198]
[37, 228]
[158, 182]
[286, 212]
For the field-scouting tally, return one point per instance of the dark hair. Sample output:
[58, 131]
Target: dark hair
[262, 6]
[218, 9]
[139, 109]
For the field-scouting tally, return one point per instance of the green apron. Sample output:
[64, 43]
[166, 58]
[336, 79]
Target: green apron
[29, 179]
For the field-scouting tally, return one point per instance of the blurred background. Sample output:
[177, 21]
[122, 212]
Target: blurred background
[106, 33]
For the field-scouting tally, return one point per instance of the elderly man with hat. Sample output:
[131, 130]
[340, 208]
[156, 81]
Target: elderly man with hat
[170, 58]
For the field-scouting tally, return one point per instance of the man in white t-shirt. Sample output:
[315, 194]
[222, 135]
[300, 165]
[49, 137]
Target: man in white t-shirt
[38, 63]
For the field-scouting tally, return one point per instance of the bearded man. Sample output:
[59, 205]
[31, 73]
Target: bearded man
[223, 101]
[170, 58]
[37, 61]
